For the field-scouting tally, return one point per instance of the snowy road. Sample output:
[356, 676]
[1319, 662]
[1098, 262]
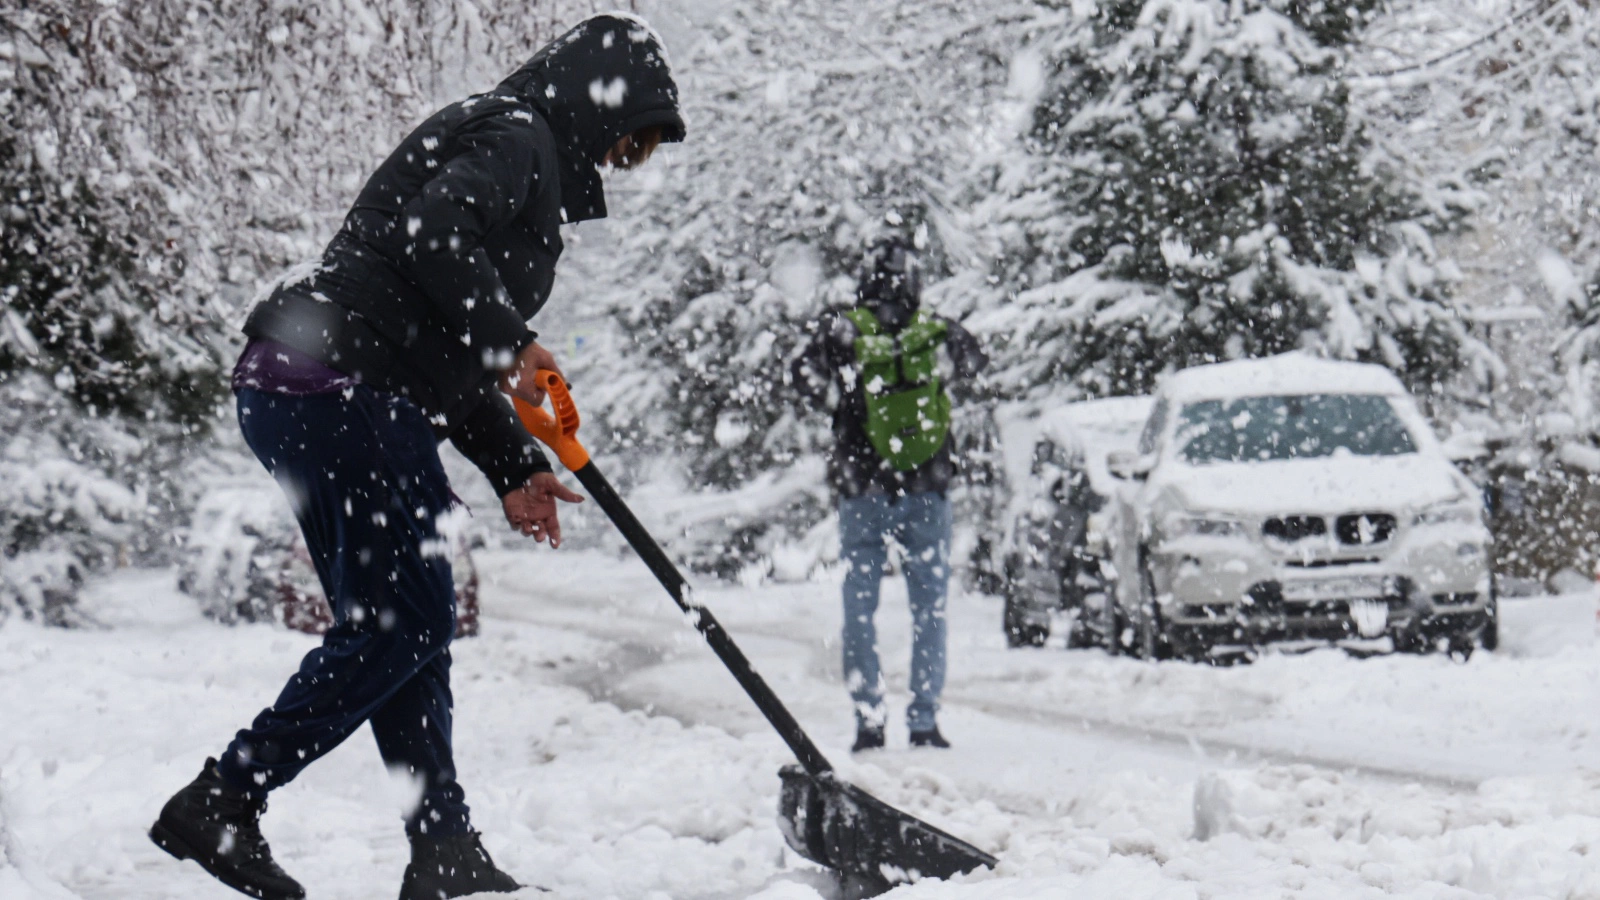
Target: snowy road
[606, 754]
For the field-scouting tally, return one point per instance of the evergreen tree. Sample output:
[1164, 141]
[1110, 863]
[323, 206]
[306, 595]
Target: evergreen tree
[1199, 188]
[160, 162]
[1578, 342]
[86, 299]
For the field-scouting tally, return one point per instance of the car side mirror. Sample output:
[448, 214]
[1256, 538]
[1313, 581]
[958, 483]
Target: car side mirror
[1044, 455]
[1128, 465]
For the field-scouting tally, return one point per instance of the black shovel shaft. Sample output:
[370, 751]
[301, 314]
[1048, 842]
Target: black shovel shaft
[721, 642]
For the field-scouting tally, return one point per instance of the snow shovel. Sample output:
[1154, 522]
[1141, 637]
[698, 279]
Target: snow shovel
[870, 844]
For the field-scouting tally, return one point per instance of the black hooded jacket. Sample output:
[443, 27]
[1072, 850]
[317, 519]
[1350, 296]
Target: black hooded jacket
[452, 244]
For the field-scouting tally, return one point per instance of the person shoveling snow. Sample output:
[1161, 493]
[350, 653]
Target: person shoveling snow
[354, 373]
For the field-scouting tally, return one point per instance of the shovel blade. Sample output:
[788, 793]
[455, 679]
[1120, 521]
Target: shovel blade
[841, 826]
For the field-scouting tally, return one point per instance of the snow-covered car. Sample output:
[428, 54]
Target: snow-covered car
[1054, 546]
[1294, 498]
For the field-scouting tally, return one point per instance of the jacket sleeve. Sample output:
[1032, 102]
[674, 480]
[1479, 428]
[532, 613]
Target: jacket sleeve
[966, 354]
[813, 370]
[494, 439]
[442, 229]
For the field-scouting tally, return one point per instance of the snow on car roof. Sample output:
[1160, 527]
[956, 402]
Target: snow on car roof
[1286, 374]
[1114, 420]
[1095, 427]
[1088, 429]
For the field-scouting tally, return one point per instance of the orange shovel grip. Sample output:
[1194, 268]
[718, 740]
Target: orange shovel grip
[559, 432]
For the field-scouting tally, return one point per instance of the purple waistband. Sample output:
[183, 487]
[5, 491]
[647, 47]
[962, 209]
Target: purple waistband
[279, 369]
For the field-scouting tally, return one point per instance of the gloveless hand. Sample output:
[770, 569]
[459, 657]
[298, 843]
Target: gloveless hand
[531, 509]
[518, 381]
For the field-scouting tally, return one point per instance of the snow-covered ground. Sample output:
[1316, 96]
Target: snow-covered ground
[607, 755]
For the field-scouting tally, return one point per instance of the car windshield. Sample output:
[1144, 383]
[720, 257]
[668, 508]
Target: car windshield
[1304, 426]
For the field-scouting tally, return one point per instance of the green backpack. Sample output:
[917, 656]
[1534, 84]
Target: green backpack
[908, 412]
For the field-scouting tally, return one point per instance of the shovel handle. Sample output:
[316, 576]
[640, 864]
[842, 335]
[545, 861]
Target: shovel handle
[559, 432]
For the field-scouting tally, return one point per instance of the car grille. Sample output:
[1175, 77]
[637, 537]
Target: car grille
[1290, 529]
[1364, 529]
[1354, 530]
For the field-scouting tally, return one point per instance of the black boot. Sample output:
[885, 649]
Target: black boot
[452, 866]
[929, 738]
[868, 737]
[219, 827]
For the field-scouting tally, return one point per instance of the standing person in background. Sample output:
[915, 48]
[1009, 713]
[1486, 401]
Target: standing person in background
[354, 373]
[891, 468]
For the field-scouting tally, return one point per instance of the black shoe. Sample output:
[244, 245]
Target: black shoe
[868, 737]
[452, 866]
[219, 827]
[929, 738]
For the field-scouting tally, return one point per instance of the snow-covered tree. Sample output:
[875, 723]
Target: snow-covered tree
[811, 132]
[813, 128]
[1510, 91]
[160, 162]
[1506, 91]
[106, 355]
[1578, 343]
[93, 290]
[1199, 187]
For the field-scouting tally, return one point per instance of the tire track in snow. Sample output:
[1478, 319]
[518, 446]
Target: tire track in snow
[639, 649]
[1211, 747]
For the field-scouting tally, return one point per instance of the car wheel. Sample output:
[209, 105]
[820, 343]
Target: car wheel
[1194, 650]
[1154, 642]
[1019, 631]
[1411, 642]
[1489, 638]
[1114, 623]
[1079, 635]
[1072, 591]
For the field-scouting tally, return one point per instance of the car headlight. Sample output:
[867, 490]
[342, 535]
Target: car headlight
[1205, 526]
[1452, 513]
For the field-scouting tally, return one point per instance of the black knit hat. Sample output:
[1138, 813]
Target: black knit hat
[891, 273]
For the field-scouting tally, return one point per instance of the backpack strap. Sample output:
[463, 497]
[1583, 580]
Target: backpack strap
[877, 354]
[903, 358]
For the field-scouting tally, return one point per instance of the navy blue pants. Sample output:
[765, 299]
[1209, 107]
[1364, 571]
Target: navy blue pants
[362, 472]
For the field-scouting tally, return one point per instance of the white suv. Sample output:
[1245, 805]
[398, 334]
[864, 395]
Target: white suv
[1294, 498]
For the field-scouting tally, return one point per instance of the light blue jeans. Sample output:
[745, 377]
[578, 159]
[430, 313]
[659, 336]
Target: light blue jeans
[920, 524]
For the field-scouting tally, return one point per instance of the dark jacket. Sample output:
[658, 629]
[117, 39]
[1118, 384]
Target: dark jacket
[452, 244]
[828, 359]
